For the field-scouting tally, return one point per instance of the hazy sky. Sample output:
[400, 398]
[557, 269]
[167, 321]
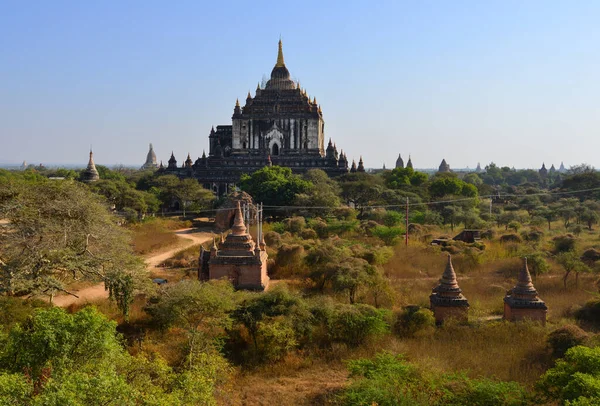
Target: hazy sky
[514, 82]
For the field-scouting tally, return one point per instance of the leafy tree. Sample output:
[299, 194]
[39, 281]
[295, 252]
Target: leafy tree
[574, 379]
[361, 189]
[571, 263]
[389, 235]
[202, 309]
[189, 192]
[353, 274]
[274, 186]
[60, 233]
[324, 191]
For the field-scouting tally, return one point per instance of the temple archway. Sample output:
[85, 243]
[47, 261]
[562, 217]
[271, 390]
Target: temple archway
[275, 150]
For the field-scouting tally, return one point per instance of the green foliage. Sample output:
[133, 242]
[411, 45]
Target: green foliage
[389, 235]
[274, 186]
[355, 324]
[413, 320]
[563, 338]
[62, 232]
[399, 178]
[573, 378]
[389, 380]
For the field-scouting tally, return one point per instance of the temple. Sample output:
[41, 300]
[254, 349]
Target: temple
[239, 259]
[150, 163]
[90, 174]
[280, 125]
[522, 302]
[446, 299]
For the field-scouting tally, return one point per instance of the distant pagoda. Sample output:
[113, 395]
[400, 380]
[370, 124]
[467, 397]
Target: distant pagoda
[522, 302]
[90, 174]
[446, 299]
[150, 163]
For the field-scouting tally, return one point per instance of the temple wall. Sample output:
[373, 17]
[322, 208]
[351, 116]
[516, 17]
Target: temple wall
[442, 313]
[519, 314]
[248, 276]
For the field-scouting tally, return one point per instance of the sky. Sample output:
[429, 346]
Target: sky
[511, 82]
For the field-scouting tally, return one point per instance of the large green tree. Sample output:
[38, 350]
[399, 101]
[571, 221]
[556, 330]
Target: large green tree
[274, 186]
[59, 233]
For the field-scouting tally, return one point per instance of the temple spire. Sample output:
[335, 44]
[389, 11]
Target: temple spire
[280, 62]
[239, 228]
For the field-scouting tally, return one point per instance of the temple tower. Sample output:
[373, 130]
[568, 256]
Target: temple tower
[446, 299]
[522, 302]
[400, 162]
[90, 174]
[444, 167]
[239, 259]
[150, 160]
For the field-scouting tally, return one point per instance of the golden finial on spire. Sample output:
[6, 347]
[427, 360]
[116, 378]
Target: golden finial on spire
[280, 62]
[248, 97]
[258, 86]
[237, 103]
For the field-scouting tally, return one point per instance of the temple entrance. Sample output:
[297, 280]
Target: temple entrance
[234, 276]
[275, 150]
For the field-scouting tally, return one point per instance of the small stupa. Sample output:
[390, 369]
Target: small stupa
[90, 174]
[239, 259]
[446, 299]
[522, 302]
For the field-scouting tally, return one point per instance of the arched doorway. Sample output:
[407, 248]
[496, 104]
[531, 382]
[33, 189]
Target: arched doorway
[275, 149]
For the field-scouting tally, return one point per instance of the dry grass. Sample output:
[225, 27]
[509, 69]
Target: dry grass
[297, 381]
[156, 234]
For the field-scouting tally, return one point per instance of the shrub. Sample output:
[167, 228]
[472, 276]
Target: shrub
[564, 243]
[488, 234]
[309, 234]
[589, 313]
[389, 235]
[534, 235]
[295, 224]
[574, 378]
[272, 239]
[563, 338]
[413, 320]
[320, 227]
[389, 380]
[354, 324]
[510, 238]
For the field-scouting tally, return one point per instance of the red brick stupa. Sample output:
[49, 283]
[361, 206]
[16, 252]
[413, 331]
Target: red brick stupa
[522, 302]
[239, 259]
[446, 299]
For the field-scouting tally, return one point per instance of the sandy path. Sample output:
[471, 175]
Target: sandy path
[97, 291]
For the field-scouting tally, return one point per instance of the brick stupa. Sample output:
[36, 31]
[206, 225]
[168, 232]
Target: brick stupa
[522, 301]
[446, 299]
[239, 259]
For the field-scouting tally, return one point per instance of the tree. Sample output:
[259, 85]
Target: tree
[59, 233]
[361, 189]
[324, 191]
[353, 274]
[189, 192]
[571, 263]
[202, 309]
[274, 185]
[389, 235]
[574, 378]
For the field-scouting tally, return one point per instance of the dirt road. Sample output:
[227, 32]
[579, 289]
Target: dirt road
[96, 292]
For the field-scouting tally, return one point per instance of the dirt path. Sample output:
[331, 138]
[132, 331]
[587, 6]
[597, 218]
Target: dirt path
[96, 292]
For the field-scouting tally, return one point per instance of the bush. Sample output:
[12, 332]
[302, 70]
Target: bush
[488, 234]
[563, 338]
[320, 227]
[272, 239]
[534, 235]
[510, 238]
[354, 324]
[413, 320]
[564, 243]
[389, 380]
[589, 313]
[309, 234]
[295, 224]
